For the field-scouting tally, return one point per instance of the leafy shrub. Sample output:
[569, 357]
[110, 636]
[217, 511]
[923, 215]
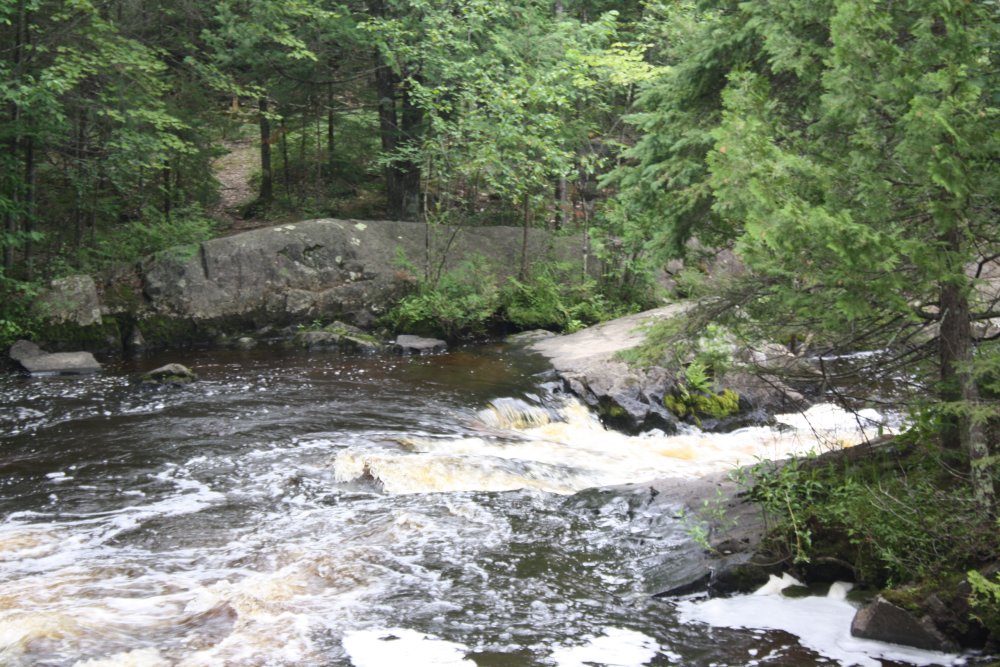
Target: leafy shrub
[898, 516]
[140, 238]
[467, 302]
[985, 601]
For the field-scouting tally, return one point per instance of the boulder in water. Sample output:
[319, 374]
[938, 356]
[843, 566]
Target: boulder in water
[418, 345]
[37, 361]
[171, 374]
[885, 622]
[337, 336]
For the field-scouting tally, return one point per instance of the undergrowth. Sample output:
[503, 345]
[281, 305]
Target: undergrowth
[468, 302]
[899, 515]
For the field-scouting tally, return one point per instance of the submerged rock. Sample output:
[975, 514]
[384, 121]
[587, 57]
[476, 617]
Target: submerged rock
[884, 621]
[337, 336]
[171, 374]
[37, 361]
[418, 345]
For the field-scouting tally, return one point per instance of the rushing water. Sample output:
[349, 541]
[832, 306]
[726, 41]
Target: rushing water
[296, 509]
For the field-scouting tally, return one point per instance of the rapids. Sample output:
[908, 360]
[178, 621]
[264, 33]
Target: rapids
[316, 509]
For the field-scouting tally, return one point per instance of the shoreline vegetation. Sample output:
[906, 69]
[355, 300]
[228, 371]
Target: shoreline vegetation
[818, 179]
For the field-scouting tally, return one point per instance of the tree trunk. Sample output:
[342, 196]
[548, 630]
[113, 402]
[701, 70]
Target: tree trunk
[963, 431]
[409, 169]
[330, 135]
[285, 170]
[266, 178]
[167, 191]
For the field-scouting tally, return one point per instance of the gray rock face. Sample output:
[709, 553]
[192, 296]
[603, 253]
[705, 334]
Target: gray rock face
[320, 269]
[25, 349]
[170, 374]
[73, 299]
[587, 362]
[418, 345]
[884, 621]
[61, 363]
[632, 398]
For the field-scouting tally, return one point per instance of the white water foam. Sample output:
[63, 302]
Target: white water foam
[400, 646]
[567, 450]
[822, 624]
[617, 647]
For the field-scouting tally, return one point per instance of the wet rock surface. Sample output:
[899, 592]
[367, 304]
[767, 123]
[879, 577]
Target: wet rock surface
[884, 621]
[37, 361]
[418, 345]
[169, 374]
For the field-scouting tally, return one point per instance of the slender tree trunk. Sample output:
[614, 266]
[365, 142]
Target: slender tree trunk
[562, 196]
[958, 384]
[331, 147]
[409, 182]
[167, 191]
[385, 90]
[266, 177]
[522, 273]
[285, 169]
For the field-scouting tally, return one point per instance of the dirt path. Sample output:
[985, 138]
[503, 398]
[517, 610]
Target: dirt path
[234, 171]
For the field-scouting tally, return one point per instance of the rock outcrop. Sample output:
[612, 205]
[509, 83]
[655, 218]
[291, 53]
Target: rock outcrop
[331, 269]
[346, 270]
[633, 398]
[885, 622]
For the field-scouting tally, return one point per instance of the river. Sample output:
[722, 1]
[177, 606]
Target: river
[319, 509]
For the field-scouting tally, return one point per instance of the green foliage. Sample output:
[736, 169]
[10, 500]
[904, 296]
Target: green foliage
[467, 302]
[895, 516]
[460, 304]
[135, 240]
[985, 601]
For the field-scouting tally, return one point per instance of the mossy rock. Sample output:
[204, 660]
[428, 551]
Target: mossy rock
[105, 335]
[171, 374]
[699, 405]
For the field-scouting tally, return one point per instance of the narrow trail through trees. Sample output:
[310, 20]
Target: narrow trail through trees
[235, 171]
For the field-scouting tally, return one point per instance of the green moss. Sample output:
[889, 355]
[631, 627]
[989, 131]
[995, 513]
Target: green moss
[161, 331]
[65, 335]
[699, 405]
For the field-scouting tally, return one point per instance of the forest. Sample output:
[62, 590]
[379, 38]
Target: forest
[846, 151]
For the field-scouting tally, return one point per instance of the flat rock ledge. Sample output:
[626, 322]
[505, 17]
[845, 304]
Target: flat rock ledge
[37, 361]
[632, 399]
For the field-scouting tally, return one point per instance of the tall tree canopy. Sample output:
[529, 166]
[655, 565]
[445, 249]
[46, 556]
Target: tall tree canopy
[848, 151]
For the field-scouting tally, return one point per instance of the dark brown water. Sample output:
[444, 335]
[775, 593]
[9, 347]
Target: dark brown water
[250, 519]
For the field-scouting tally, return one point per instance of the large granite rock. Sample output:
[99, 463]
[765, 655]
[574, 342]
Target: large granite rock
[885, 622]
[407, 344]
[632, 398]
[37, 361]
[71, 300]
[323, 269]
[588, 363]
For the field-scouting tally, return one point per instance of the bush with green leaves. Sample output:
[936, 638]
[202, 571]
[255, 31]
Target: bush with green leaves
[897, 516]
[467, 302]
[155, 233]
